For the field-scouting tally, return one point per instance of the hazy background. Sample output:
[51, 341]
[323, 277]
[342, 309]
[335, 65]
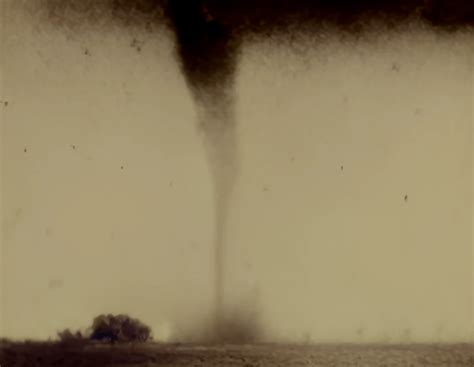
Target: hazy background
[107, 198]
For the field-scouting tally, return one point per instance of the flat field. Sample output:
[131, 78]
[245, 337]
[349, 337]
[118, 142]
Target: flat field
[33, 354]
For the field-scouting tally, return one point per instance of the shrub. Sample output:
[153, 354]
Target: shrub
[67, 336]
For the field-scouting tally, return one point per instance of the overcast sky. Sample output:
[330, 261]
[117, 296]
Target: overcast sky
[352, 215]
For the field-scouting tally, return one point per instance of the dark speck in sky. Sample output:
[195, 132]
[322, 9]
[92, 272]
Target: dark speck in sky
[55, 283]
[406, 198]
[25, 150]
[137, 45]
[121, 167]
[395, 67]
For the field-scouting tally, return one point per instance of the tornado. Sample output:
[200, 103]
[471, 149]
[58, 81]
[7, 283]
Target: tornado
[208, 55]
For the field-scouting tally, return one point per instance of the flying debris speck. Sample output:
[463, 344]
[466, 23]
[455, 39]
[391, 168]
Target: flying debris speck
[136, 44]
[55, 283]
[406, 198]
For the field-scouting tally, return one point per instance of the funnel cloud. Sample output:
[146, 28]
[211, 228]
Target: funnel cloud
[208, 57]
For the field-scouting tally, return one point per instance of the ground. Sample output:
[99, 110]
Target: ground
[154, 354]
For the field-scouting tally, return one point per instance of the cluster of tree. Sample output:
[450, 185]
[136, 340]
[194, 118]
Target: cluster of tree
[110, 328]
[121, 328]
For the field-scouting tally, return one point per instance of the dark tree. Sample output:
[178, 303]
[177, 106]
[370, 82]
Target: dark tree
[119, 328]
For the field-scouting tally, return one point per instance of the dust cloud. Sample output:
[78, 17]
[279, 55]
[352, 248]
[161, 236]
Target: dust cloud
[129, 220]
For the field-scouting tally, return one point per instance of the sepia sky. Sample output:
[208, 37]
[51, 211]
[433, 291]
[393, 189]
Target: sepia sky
[352, 215]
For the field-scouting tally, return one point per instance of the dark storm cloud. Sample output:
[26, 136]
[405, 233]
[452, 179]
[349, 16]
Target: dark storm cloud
[208, 31]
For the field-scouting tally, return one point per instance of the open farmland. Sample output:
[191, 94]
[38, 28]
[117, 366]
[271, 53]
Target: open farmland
[153, 354]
